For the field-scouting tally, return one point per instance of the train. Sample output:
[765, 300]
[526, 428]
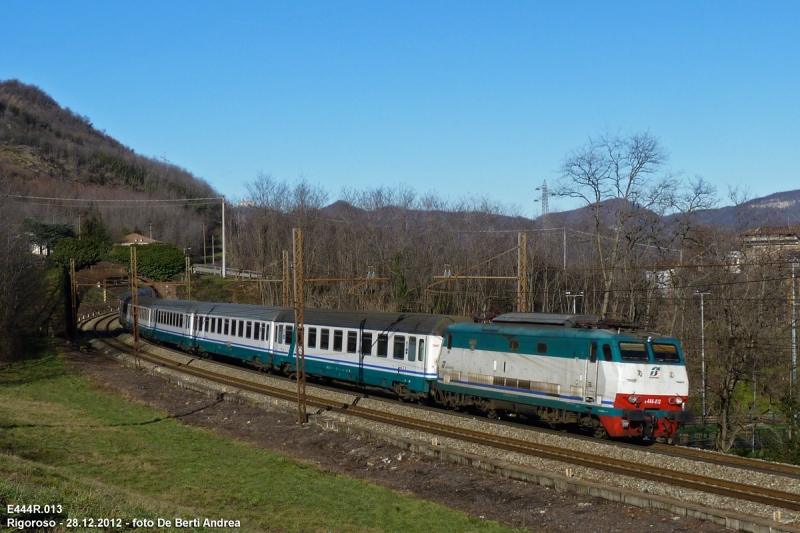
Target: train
[610, 380]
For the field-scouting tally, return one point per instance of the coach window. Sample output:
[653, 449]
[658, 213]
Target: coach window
[312, 337]
[421, 353]
[366, 344]
[324, 339]
[607, 352]
[256, 330]
[181, 324]
[412, 348]
[337, 340]
[265, 332]
[383, 345]
[288, 338]
[352, 341]
[225, 326]
[241, 328]
[249, 330]
[399, 351]
[219, 325]
[541, 347]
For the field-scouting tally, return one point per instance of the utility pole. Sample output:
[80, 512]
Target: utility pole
[794, 332]
[150, 223]
[522, 273]
[286, 281]
[73, 295]
[299, 319]
[188, 279]
[574, 297]
[135, 307]
[223, 236]
[79, 226]
[703, 351]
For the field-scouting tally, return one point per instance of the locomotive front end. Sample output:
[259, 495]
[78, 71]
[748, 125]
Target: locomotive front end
[652, 390]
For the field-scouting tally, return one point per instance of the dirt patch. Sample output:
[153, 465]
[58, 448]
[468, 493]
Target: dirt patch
[480, 494]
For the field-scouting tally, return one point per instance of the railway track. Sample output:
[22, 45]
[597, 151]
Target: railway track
[687, 480]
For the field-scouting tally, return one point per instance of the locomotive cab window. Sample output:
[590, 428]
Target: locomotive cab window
[633, 351]
[366, 344]
[324, 339]
[593, 353]
[399, 347]
[449, 341]
[607, 352]
[352, 341]
[513, 345]
[666, 353]
[337, 340]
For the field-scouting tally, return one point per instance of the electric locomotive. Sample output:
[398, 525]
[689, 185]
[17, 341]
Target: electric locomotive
[567, 369]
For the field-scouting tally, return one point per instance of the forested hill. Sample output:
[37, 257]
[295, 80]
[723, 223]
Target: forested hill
[44, 147]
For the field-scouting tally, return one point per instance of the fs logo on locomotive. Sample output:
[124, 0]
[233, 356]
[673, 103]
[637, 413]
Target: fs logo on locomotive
[654, 372]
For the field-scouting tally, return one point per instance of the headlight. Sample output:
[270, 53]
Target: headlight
[632, 398]
[678, 401]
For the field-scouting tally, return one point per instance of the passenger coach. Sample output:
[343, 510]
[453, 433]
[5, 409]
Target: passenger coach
[395, 351]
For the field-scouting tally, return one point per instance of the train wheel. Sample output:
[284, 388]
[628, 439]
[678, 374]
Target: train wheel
[600, 432]
[492, 414]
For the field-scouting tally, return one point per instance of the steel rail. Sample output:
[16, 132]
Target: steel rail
[733, 461]
[686, 480]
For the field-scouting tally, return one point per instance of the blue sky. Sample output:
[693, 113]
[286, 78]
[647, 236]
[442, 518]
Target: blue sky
[469, 99]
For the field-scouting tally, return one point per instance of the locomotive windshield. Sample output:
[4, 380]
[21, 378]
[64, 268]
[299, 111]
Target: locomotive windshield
[666, 353]
[633, 351]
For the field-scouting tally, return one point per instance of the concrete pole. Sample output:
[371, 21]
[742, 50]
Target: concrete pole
[223, 236]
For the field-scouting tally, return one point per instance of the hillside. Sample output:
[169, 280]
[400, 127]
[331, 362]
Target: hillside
[44, 147]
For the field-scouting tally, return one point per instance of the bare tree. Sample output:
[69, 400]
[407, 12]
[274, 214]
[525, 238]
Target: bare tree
[616, 177]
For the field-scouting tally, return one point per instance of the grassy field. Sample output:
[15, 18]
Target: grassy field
[65, 442]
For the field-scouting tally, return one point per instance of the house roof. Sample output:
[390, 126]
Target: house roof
[135, 238]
